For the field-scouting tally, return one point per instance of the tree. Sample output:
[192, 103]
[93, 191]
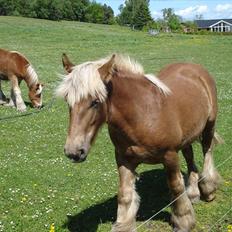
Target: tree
[68, 10]
[55, 10]
[172, 20]
[79, 8]
[108, 15]
[161, 24]
[167, 13]
[126, 14]
[26, 8]
[142, 16]
[135, 13]
[94, 13]
[7, 7]
[41, 9]
[199, 17]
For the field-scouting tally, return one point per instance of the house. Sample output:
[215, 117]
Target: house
[217, 25]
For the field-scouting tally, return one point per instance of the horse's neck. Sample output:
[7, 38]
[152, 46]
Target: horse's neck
[133, 98]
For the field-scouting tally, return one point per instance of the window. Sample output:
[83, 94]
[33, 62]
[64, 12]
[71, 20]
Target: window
[221, 27]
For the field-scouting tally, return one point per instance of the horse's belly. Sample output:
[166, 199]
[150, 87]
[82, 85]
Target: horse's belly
[3, 76]
[142, 154]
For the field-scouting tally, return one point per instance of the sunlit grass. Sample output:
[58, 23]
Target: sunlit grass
[39, 186]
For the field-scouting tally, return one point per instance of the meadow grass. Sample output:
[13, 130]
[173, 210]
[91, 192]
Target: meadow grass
[39, 186]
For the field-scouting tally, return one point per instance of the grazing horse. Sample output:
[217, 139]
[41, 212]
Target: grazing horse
[149, 119]
[15, 68]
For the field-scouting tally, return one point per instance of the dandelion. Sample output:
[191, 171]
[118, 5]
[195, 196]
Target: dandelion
[227, 183]
[23, 199]
[229, 228]
[52, 228]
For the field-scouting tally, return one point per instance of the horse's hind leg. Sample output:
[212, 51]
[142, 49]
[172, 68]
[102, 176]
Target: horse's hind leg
[3, 99]
[183, 217]
[193, 177]
[210, 178]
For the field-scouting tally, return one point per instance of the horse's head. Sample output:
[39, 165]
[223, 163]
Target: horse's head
[35, 95]
[85, 92]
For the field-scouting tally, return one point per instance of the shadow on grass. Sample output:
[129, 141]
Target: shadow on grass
[153, 191]
[29, 104]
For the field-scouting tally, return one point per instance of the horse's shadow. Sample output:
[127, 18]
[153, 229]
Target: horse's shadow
[152, 189]
[29, 104]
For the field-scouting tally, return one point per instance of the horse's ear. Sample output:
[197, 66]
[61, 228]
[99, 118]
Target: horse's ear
[67, 64]
[107, 69]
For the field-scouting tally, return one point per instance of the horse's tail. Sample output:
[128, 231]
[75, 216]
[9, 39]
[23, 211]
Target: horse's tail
[217, 139]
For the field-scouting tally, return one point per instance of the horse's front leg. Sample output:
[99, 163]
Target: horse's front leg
[16, 96]
[128, 199]
[183, 217]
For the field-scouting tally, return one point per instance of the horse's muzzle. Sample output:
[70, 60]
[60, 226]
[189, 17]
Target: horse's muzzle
[77, 157]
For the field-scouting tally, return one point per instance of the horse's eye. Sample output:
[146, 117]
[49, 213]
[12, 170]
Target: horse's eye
[94, 104]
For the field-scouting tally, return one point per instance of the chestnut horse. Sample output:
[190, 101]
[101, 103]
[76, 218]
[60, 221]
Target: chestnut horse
[15, 67]
[150, 119]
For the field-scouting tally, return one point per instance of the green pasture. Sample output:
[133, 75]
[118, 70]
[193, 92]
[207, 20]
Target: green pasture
[40, 186]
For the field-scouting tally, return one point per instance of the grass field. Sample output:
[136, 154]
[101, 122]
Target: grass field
[39, 186]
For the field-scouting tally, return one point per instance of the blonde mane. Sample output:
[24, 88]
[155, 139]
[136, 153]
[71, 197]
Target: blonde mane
[85, 80]
[126, 63]
[32, 77]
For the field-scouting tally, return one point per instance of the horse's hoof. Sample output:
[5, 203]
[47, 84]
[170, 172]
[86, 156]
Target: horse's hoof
[194, 199]
[2, 102]
[9, 104]
[23, 109]
[178, 230]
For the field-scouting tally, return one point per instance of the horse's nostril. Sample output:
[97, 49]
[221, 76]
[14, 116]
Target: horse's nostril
[81, 151]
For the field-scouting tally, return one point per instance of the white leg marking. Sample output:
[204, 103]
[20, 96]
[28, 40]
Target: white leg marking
[192, 189]
[210, 178]
[19, 101]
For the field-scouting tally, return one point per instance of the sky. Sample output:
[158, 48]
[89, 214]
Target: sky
[187, 9]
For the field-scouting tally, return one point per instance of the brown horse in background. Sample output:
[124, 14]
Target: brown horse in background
[150, 119]
[15, 67]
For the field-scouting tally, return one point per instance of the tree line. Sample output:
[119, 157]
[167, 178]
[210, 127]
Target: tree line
[133, 13]
[78, 10]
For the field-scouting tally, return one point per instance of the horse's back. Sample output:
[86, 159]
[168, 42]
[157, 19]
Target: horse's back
[193, 101]
[192, 79]
[12, 62]
[185, 71]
